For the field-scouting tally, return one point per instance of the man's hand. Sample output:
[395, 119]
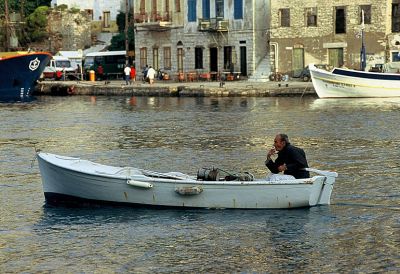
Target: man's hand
[271, 152]
[282, 168]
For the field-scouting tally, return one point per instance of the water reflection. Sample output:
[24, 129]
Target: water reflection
[382, 104]
[360, 139]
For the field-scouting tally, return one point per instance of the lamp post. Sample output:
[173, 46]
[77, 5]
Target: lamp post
[133, 29]
[126, 33]
[363, 61]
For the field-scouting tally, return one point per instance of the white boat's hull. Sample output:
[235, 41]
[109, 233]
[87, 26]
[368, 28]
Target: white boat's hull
[71, 179]
[355, 84]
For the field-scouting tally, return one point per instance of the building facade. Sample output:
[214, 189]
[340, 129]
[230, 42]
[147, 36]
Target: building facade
[103, 13]
[328, 32]
[203, 36]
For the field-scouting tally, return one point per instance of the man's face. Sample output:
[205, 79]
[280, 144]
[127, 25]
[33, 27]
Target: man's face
[278, 143]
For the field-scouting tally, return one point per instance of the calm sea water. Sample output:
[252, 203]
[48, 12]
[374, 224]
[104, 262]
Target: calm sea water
[359, 232]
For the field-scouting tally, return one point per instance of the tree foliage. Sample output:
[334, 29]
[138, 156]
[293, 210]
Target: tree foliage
[29, 6]
[118, 41]
[36, 24]
[34, 29]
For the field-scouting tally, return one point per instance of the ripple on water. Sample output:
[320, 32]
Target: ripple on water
[359, 139]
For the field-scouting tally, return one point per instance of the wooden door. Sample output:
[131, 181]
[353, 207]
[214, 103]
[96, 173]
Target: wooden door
[298, 62]
[336, 57]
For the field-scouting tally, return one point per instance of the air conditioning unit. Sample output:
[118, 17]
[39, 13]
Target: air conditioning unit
[222, 25]
[204, 25]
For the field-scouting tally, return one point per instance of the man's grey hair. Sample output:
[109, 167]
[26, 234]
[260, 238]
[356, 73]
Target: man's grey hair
[284, 137]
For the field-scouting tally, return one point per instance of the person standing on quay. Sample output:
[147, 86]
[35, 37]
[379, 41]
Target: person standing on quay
[127, 72]
[133, 74]
[100, 72]
[144, 71]
[151, 73]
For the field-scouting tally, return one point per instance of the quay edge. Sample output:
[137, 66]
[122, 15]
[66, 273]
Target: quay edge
[184, 89]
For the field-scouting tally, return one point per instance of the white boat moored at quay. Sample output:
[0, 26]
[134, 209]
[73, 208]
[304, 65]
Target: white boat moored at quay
[343, 83]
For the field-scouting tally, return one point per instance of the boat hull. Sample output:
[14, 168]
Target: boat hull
[343, 83]
[72, 180]
[19, 75]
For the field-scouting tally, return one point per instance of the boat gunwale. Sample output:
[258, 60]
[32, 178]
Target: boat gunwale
[313, 68]
[25, 54]
[143, 178]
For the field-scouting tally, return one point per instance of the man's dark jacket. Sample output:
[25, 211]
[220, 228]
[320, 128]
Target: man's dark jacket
[295, 160]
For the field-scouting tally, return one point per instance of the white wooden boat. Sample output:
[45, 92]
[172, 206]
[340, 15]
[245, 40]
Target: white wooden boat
[68, 179]
[352, 83]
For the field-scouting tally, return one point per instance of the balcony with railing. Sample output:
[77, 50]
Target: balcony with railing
[158, 21]
[213, 24]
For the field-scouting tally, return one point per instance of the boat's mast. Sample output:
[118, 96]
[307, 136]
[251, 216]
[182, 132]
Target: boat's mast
[7, 25]
[363, 61]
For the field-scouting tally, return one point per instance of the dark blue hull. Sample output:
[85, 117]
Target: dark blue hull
[19, 75]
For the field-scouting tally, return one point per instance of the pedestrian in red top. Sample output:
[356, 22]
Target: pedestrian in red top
[58, 75]
[100, 73]
[133, 74]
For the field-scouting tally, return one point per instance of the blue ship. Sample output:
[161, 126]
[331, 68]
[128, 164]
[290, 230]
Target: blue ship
[19, 73]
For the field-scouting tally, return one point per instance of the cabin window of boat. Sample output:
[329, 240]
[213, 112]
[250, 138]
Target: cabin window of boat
[367, 14]
[340, 20]
[284, 17]
[63, 64]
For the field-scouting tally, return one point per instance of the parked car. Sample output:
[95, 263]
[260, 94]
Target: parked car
[57, 66]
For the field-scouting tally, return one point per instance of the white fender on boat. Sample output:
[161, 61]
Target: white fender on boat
[322, 172]
[139, 184]
[192, 190]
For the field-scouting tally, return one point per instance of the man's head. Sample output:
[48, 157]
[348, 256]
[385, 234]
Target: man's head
[280, 141]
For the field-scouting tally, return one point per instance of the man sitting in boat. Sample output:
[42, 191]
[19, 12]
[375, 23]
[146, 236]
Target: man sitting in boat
[291, 160]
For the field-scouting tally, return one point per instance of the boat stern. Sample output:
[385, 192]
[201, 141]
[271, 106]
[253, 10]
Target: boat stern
[326, 191]
[323, 187]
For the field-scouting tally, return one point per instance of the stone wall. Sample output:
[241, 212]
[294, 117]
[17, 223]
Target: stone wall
[69, 30]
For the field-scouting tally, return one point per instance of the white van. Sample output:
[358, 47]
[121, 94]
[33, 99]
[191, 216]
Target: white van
[59, 64]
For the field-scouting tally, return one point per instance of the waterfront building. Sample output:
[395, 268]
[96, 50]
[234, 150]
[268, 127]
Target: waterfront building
[328, 32]
[205, 37]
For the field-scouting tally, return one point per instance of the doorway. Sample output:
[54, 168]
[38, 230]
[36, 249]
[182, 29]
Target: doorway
[214, 59]
[298, 62]
[336, 57]
[243, 61]
[180, 59]
[227, 58]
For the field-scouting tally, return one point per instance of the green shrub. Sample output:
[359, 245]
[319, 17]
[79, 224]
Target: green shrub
[36, 24]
